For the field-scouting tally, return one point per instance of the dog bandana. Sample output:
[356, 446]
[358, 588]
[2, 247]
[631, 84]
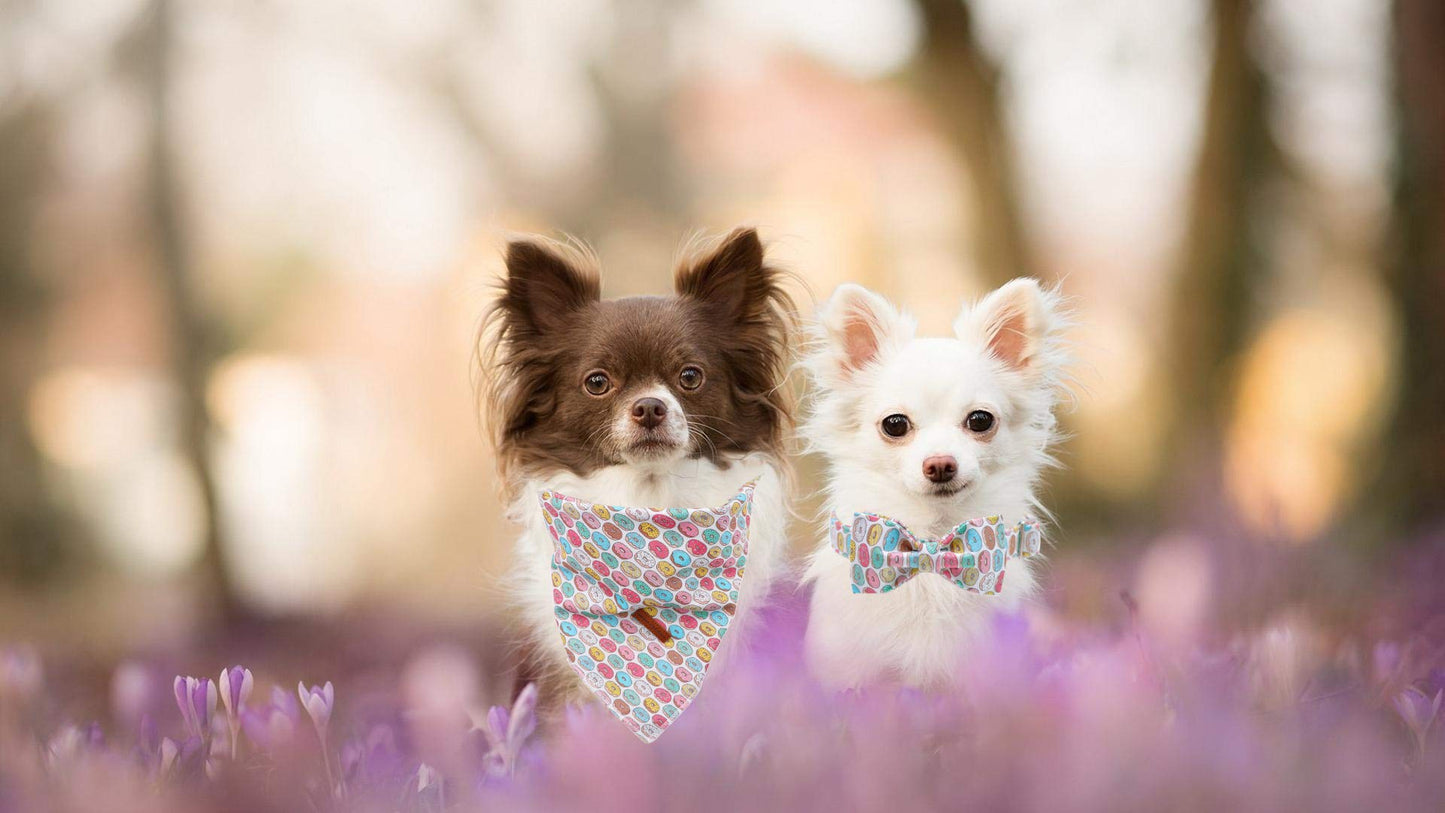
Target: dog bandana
[644, 597]
[973, 556]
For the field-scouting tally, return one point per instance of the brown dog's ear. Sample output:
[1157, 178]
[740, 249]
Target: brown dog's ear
[545, 285]
[753, 320]
[733, 277]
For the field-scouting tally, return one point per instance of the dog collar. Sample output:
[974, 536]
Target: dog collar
[973, 555]
[643, 598]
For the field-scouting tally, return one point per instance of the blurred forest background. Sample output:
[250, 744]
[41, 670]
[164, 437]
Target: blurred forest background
[244, 245]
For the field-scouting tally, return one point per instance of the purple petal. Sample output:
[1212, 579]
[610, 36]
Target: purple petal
[497, 720]
[237, 677]
[494, 764]
[149, 736]
[353, 752]
[183, 702]
[524, 717]
[200, 695]
[285, 702]
[1434, 682]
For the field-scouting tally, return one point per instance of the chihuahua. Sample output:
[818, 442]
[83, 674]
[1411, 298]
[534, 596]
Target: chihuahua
[658, 401]
[930, 432]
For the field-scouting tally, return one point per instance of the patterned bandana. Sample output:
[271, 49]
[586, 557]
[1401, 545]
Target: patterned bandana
[644, 597]
[973, 556]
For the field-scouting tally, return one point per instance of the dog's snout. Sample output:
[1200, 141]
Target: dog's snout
[940, 468]
[649, 413]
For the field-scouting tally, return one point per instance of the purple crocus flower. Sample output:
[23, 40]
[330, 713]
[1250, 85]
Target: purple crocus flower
[284, 703]
[169, 752]
[427, 788]
[427, 777]
[180, 760]
[272, 726]
[375, 761]
[1419, 711]
[318, 702]
[1433, 682]
[236, 685]
[183, 701]
[196, 698]
[507, 732]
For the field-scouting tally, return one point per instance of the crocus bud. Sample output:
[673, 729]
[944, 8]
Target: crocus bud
[426, 777]
[318, 702]
[204, 697]
[236, 685]
[196, 698]
[169, 752]
[1419, 711]
[183, 701]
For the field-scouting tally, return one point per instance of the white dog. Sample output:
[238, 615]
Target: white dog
[931, 432]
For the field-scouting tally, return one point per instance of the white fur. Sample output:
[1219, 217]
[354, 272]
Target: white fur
[916, 634]
[678, 483]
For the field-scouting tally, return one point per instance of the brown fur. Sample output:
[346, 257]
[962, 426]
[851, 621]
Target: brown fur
[549, 327]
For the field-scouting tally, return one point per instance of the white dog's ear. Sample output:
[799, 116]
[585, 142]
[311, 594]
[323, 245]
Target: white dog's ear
[860, 326]
[1011, 322]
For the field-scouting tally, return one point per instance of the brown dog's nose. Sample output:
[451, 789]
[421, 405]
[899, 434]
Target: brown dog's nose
[940, 468]
[649, 413]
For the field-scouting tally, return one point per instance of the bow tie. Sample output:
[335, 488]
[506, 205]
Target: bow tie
[643, 598]
[973, 556]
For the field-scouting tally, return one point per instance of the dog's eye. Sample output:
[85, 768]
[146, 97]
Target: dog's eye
[895, 426]
[597, 383]
[691, 377]
[979, 421]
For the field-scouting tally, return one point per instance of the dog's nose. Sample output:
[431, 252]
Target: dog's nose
[649, 413]
[940, 468]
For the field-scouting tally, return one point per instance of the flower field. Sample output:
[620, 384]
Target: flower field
[1052, 713]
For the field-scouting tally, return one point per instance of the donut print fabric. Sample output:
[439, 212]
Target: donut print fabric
[643, 598]
[974, 556]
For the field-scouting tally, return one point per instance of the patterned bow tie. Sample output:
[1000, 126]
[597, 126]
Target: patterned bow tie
[643, 598]
[973, 556]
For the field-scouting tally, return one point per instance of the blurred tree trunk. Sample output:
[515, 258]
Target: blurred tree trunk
[31, 526]
[641, 186]
[961, 85]
[1414, 476]
[638, 187]
[193, 341]
[1224, 254]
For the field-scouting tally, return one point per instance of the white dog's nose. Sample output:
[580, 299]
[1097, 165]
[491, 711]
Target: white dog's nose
[940, 468]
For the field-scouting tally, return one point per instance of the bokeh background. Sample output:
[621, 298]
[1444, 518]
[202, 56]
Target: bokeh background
[244, 245]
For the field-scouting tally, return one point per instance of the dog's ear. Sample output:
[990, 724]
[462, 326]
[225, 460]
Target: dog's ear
[732, 277]
[859, 327]
[1011, 322]
[545, 285]
[734, 285]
